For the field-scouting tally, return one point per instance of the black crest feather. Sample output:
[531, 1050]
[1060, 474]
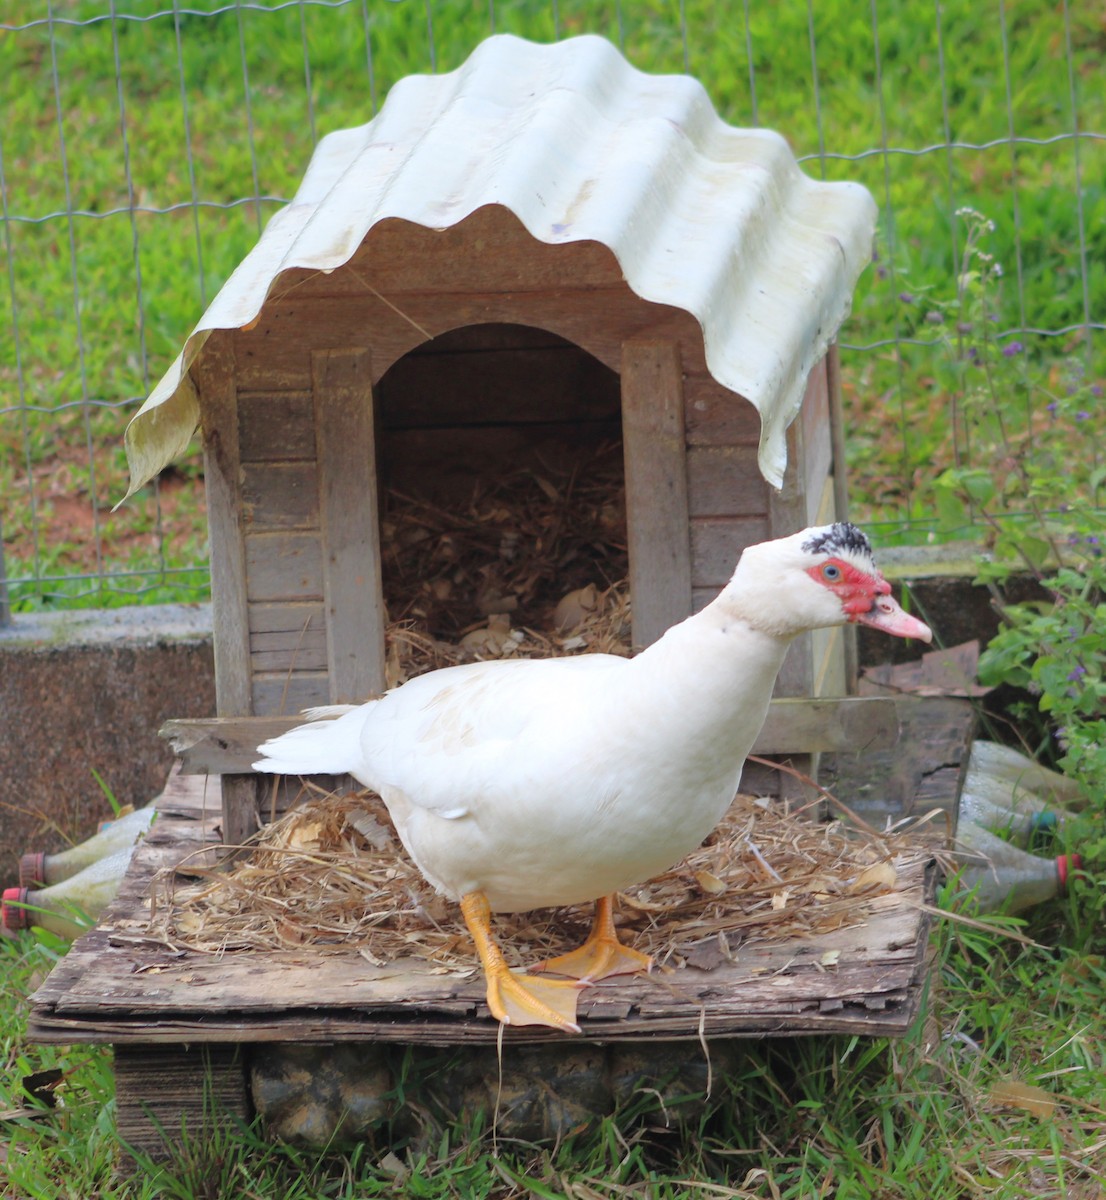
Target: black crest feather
[838, 537]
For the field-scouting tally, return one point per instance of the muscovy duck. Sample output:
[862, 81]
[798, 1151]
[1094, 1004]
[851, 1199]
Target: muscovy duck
[525, 783]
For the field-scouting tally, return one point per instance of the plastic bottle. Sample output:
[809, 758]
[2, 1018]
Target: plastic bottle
[62, 908]
[1006, 877]
[981, 807]
[1023, 775]
[37, 870]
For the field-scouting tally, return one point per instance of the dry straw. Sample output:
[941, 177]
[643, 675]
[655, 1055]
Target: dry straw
[533, 566]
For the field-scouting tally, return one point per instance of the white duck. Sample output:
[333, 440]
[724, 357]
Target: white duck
[520, 784]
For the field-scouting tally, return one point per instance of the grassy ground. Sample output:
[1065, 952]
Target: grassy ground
[172, 139]
[998, 1093]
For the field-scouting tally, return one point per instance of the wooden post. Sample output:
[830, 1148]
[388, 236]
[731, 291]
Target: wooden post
[840, 493]
[346, 445]
[214, 376]
[658, 524]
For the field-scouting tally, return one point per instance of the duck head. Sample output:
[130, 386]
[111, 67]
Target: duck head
[815, 579]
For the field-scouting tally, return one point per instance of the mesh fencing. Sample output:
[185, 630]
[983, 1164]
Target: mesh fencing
[145, 147]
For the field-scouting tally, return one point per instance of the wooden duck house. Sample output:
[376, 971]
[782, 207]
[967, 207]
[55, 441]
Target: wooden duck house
[508, 265]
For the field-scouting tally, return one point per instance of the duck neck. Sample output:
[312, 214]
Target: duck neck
[718, 673]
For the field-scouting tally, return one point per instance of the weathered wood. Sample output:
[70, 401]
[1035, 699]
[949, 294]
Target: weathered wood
[398, 256]
[162, 1091]
[345, 433]
[280, 495]
[216, 745]
[715, 416]
[716, 545]
[119, 985]
[284, 566]
[286, 691]
[270, 356]
[817, 447]
[924, 772]
[725, 481]
[656, 487]
[276, 426]
[850, 657]
[122, 986]
[214, 375]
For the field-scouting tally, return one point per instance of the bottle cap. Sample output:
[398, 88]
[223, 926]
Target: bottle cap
[1043, 820]
[32, 870]
[12, 914]
[1068, 865]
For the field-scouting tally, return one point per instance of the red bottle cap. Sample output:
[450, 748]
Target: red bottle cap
[12, 914]
[1068, 865]
[32, 870]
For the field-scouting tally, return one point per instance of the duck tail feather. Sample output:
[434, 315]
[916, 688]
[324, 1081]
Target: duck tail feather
[322, 747]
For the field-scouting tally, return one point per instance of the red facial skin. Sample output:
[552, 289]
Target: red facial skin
[856, 590]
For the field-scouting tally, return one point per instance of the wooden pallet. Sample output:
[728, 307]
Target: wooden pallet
[177, 1015]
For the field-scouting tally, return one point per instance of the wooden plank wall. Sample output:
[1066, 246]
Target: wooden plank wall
[407, 285]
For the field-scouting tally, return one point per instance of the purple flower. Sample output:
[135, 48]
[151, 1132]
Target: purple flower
[1076, 673]
[1011, 349]
[1082, 415]
[906, 297]
[1053, 407]
[1092, 540]
[1096, 389]
[964, 327]
[935, 318]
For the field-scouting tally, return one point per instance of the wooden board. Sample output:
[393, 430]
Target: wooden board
[221, 745]
[118, 985]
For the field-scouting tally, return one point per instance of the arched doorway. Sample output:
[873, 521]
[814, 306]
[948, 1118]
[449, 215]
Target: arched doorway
[502, 492]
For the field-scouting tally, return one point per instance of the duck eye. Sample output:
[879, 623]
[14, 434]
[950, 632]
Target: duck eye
[831, 572]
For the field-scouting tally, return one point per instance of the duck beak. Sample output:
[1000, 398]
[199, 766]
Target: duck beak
[886, 614]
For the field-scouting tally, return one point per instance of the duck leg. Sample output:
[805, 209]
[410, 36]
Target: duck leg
[602, 954]
[515, 999]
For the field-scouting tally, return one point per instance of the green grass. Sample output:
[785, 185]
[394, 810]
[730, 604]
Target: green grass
[857, 1119]
[87, 340]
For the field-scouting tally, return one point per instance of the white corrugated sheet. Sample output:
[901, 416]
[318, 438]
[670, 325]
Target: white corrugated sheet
[578, 145]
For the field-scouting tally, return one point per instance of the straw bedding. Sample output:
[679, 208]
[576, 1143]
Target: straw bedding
[533, 566]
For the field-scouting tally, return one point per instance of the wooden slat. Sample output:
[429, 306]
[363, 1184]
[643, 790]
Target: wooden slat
[276, 426]
[285, 566]
[850, 655]
[345, 434]
[715, 416]
[725, 481]
[214, 376]
[848, 724]
[271, 356]
[286, 692]
[656, 487]
[280, 495]
[716, 545]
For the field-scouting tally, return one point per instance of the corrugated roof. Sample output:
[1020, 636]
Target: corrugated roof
[579, 145]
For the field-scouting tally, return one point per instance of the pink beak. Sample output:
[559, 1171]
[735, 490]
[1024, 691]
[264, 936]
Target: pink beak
[886, 614]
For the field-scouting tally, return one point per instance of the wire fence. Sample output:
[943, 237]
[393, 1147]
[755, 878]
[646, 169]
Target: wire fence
[144, 150]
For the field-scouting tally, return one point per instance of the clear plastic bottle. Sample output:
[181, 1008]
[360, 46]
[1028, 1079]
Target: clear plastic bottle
[64, 907]
[37, 870]
[1026, 780]
[1006, 877]
[985, 806]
